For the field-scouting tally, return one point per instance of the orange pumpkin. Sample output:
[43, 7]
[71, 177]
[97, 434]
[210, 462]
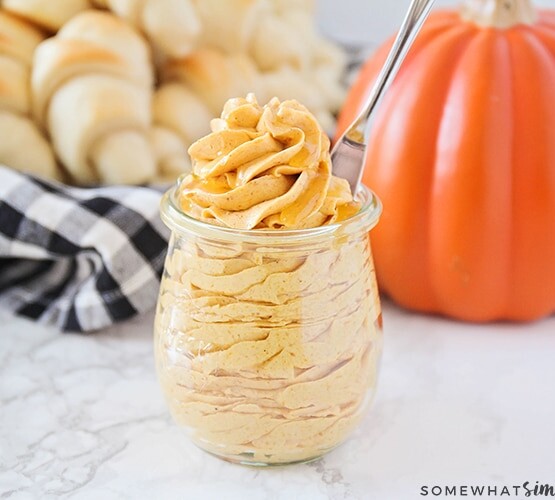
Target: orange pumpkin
[462, 154]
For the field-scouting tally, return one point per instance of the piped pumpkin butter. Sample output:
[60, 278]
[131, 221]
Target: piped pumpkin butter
[265, 167]
[267, 350]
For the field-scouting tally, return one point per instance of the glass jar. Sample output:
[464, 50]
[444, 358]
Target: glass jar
[268, 343]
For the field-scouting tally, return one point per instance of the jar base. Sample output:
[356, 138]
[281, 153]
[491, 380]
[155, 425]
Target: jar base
[247, 459]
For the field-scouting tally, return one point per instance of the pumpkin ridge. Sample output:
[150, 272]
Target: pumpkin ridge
[447, 47]
[534, 180]
[546, 36]
[470, 194]
[465, 33]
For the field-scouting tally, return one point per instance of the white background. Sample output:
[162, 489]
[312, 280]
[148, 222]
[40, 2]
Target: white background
[371, 21]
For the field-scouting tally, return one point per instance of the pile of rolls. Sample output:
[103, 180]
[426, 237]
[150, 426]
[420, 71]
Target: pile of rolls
[115, 91]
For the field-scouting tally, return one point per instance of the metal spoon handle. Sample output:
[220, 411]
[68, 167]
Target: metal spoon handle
[355, 134]
[415, 18]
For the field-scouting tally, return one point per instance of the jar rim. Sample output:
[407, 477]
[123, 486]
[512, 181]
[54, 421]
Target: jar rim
[176, 219]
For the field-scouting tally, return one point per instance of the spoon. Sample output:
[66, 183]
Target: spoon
[349, 151]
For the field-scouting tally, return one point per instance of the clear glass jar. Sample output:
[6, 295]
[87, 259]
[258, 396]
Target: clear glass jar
[268, 343]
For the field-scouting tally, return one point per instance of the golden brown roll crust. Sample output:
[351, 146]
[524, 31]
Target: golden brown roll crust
[203, 51]
[178, 108]
[172, 26]
[214, 76]
[99, 65]
[27, 149]
[170, 153]
[50, 14]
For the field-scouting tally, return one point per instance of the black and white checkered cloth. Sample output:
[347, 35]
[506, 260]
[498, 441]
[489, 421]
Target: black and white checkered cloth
[80, 259]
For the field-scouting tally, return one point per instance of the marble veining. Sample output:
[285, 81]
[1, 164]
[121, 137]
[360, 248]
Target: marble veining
[82, 417]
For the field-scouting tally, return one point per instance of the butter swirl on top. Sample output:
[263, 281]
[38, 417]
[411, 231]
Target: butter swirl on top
[265, 168]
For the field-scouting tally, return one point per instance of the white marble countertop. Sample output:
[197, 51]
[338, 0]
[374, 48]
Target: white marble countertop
[82, 417]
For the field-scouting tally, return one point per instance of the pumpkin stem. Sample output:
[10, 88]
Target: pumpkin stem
[499, 13]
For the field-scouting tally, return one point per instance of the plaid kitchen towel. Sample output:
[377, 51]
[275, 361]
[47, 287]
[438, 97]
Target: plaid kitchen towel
[80, 259]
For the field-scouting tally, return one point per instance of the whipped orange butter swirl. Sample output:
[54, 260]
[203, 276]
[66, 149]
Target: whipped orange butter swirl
[267, 353]
[265, 167]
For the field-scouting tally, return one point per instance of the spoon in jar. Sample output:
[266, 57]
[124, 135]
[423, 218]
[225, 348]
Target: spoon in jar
[349, 151]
